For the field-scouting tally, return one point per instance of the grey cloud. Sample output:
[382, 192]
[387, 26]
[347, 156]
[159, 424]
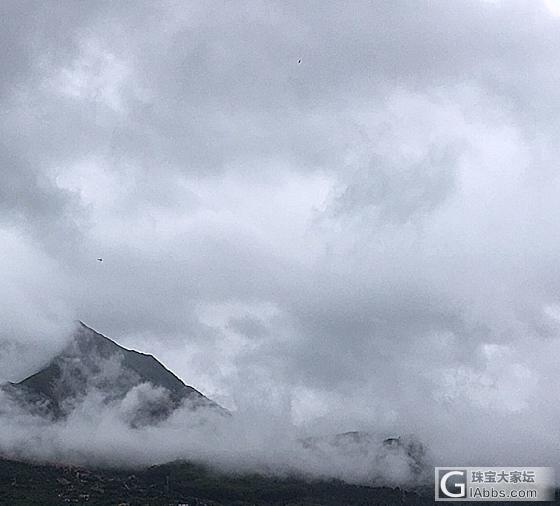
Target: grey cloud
[399, 192]
[248, 326]
[364, 233]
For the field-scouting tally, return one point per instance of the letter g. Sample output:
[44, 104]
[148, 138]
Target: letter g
[460, 486]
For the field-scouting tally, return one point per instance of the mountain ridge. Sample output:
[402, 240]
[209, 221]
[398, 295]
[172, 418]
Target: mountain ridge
[93, 360]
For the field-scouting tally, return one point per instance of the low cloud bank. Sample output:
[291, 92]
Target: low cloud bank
[97, 433]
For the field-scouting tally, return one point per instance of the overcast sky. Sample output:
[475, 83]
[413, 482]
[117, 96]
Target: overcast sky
[368, 236]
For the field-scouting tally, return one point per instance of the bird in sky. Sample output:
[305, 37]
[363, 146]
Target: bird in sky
[100, 260]
[299, 61]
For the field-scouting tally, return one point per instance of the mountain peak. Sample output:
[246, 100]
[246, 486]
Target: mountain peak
[94, 361]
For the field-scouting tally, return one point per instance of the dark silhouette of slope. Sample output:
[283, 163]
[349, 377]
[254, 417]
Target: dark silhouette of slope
[23, 483]
[92, 360]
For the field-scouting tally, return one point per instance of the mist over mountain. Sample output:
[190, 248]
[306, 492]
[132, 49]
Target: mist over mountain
[93, 361]
[94, 387]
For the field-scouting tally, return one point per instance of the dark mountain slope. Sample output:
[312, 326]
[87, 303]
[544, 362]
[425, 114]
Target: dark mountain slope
[92, 360]
[176, 483]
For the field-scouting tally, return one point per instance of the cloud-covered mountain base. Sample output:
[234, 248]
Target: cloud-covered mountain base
[98, 404]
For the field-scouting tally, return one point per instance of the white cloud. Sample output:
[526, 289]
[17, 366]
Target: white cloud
[365, 239]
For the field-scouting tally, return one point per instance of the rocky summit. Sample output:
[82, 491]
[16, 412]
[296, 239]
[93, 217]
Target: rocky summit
[92, 361]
